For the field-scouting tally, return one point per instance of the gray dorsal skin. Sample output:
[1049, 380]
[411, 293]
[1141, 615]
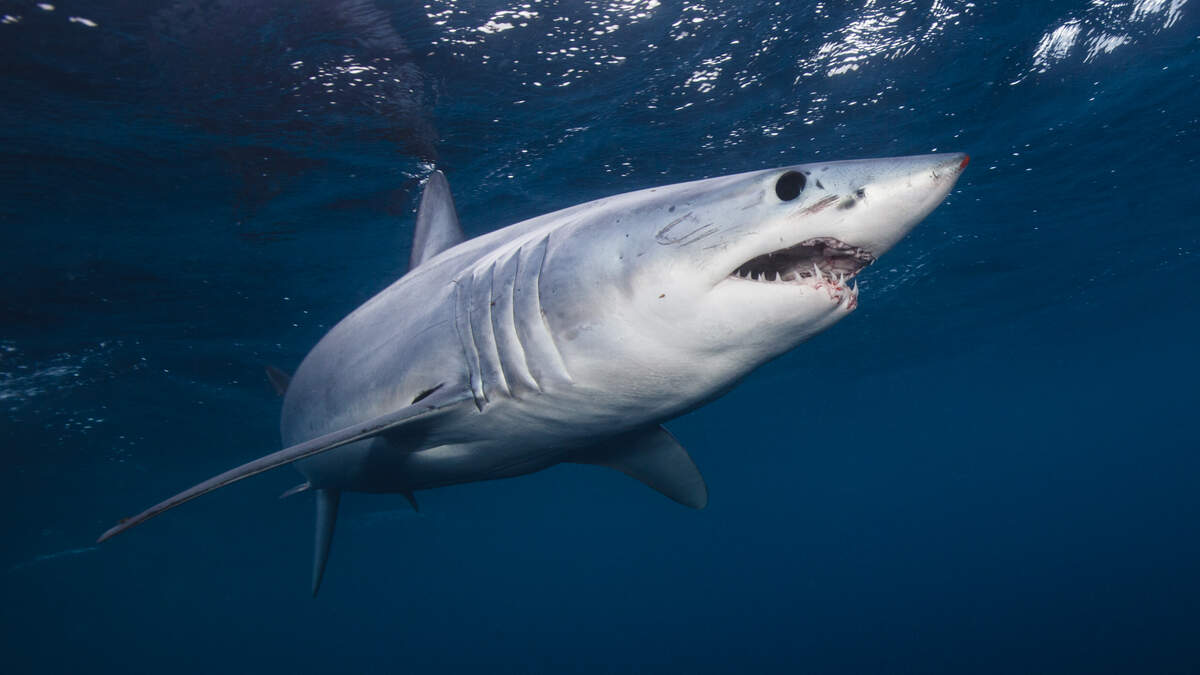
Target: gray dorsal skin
[572, 336]
[279, 380]
[327, 508]
[654, 457]
[437, 226]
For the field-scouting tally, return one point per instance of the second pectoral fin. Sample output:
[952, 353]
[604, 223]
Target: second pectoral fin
[654, 457]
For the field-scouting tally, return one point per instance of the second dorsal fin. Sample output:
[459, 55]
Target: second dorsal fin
[437, 222]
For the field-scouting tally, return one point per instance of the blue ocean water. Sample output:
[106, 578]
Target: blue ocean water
[991, 466]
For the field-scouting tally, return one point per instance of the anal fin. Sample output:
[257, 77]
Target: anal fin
[654, 457]
[327, 508]
[303, 487]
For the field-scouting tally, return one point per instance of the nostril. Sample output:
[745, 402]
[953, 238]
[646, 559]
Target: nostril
[860, 193]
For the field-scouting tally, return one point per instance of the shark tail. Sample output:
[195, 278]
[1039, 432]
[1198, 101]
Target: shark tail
[327, 508]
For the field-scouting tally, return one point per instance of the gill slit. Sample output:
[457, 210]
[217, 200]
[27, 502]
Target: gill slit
[512, 309]
[489, 323]
[467, 338]
[537, 296]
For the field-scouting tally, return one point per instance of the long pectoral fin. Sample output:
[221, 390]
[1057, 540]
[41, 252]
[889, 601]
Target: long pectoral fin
[654, 457]
[327, 508]
[427, 409]
[437, 226]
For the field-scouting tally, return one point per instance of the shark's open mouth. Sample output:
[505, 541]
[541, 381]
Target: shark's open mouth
[822, 262]
[821, 257]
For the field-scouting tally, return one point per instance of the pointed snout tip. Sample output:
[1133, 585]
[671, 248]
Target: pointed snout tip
[943, 164]
[951, 165]
[955, 161]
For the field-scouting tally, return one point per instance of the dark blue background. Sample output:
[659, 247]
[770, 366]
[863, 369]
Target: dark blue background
[990, 467]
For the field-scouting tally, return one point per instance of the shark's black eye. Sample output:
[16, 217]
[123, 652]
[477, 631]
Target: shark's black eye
[789, 185]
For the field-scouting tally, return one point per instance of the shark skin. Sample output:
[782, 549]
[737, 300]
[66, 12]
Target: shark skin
[572, 336]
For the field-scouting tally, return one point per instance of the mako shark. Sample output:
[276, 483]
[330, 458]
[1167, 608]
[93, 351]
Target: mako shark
[573, 336]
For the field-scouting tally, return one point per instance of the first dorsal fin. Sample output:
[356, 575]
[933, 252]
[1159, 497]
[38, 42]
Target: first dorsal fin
[654, 457]
[437, 403]
[437, 222]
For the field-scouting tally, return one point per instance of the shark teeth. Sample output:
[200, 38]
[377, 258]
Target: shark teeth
[822, 262]
[835, 285]
[825, 255]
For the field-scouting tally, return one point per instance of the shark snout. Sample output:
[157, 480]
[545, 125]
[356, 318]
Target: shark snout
[920, 178]
[889, 197]
[950, 168]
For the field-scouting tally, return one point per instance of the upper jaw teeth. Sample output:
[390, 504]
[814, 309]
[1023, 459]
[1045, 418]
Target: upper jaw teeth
[833, 280]
[827, 257]
[813, 274]
[835, 285]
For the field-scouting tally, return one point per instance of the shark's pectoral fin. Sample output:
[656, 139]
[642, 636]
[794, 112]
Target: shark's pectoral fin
[654, 457]
[279, 380]
[327, 508]
[437, 226]
[409, 419]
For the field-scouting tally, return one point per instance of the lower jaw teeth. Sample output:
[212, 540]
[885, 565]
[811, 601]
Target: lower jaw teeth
[815, 275]
[835, 285]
